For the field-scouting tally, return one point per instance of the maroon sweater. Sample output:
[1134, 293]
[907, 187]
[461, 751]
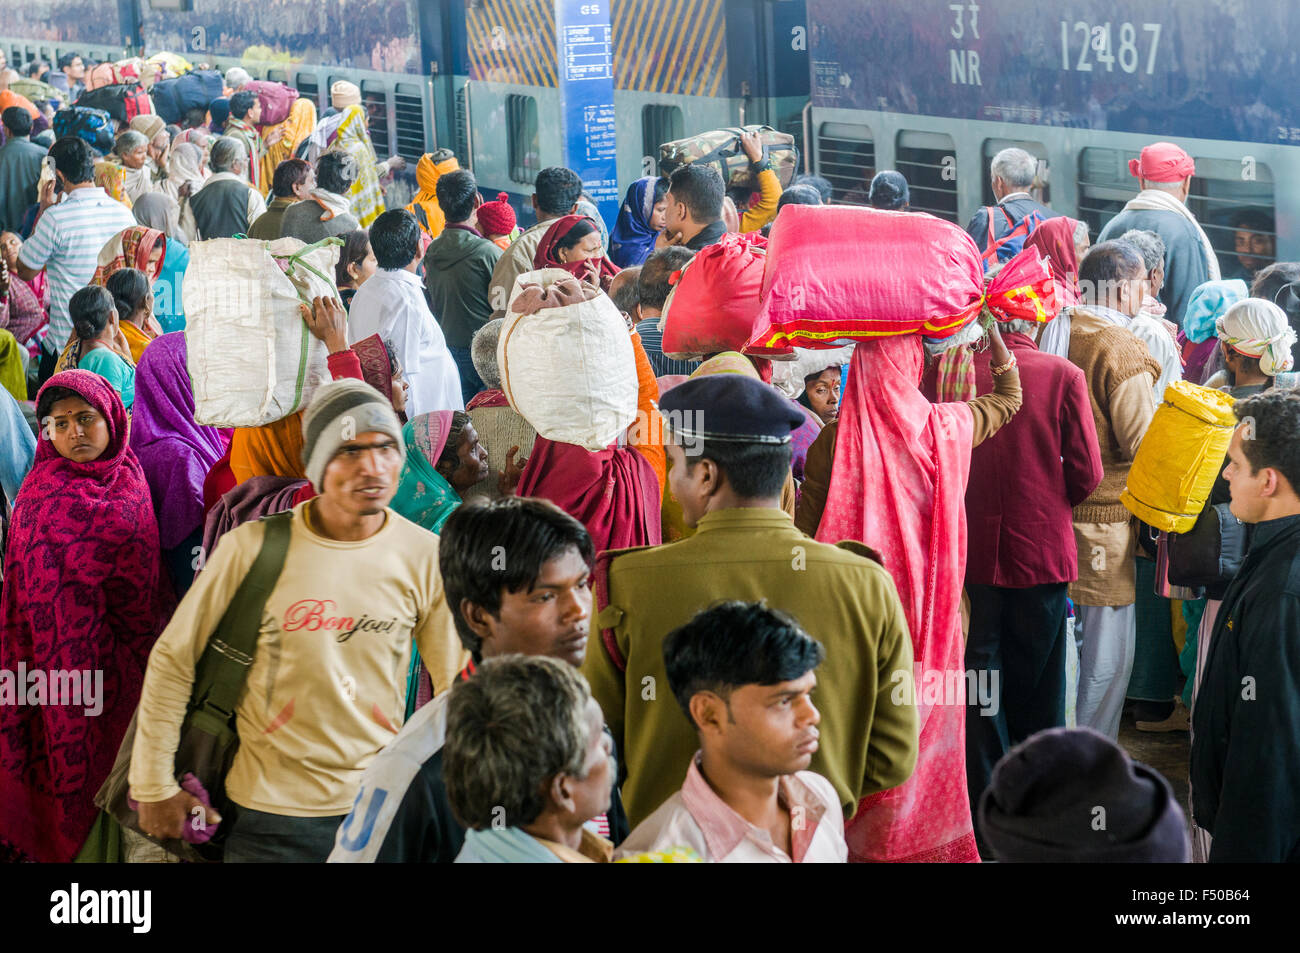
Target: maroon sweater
[1027, 477]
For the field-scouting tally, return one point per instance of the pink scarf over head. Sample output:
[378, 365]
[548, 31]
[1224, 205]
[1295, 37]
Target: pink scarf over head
[84, 591]
[898, 484]
[613, 492]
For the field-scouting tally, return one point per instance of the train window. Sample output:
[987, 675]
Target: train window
[1104, 185]
[1040, 190]
[374, 97]
[928, 160]
[307, 86]
[409, 109]
[1233, 201]
[846, 158]
[660, 124]
[277, 76]
[523, 138]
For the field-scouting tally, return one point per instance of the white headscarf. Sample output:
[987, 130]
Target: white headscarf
[1259, 328]
[185, 164]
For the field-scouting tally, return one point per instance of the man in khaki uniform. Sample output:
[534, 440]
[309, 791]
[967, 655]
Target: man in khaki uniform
[1121, 374]
[730, 458]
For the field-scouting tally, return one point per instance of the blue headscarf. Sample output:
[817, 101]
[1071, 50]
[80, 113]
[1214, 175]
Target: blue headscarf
[632, 239]
[1209, 302]
[219, 110]
[17, 445]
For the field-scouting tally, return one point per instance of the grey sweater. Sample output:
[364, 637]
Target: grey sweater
[1185, 266]
[302, 220]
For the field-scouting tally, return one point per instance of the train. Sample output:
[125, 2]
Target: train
[931, 88]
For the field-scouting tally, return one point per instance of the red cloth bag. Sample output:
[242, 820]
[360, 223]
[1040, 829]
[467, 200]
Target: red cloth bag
[838, 273]
[276, 99]
[715, 300]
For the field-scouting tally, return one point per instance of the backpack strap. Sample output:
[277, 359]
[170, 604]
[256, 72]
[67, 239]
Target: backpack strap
[223, 668]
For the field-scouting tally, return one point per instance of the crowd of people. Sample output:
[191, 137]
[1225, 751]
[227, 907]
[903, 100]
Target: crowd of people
[877, 603]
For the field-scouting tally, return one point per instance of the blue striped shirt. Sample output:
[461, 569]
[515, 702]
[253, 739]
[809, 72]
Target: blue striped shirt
[66, 242]
[652, 339]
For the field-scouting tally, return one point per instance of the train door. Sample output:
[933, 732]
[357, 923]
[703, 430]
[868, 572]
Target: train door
[781, 88]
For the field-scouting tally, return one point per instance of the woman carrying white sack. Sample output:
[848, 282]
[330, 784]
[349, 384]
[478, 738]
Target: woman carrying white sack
[1255, 339]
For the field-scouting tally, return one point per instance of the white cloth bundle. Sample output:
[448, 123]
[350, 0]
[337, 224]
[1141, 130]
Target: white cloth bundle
[571, 370]
[251, 358]
[1259, 328]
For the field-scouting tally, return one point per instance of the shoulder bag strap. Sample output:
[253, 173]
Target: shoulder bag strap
[223, 669]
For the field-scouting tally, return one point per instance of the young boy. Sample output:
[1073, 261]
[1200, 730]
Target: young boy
[744, 675]
[515, 574]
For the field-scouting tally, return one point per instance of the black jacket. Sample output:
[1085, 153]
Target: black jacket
[1245, 765]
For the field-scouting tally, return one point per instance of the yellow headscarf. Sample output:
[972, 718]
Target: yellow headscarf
[297, 127]
[431, 167]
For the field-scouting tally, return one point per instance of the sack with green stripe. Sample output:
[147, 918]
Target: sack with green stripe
[1183, 450]
[252, 359]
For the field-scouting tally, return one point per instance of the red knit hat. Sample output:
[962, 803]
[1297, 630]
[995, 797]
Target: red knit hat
[496, 218]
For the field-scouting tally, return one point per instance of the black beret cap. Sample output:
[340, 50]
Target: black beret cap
[730, 407]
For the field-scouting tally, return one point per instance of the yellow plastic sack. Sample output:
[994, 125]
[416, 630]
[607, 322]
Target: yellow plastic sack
[1181, 454]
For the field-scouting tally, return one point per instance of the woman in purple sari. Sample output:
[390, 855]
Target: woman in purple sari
[174, 452]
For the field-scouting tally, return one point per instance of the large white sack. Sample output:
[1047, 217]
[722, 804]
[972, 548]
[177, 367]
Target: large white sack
[252, 359]
[569, 371]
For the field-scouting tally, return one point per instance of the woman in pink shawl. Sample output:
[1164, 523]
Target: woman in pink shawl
[898, 484]
[84, 592]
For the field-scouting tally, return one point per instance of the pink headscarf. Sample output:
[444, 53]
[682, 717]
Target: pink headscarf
[1162, 162]
[898, 484]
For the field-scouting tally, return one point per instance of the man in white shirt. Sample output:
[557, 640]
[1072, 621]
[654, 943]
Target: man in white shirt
[68, 236]
[392, 305]
[744, 675]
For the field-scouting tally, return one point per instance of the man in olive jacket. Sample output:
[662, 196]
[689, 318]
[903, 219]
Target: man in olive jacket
[730, 458]
[457, 271]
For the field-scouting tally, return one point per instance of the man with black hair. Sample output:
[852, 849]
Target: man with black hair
[67, 237]
[391, 304]
[291, 183]
[1245, 765]
[516, 574]
[822, 185]
[326, 211]
[1254, 242]
[69, 77]
[20, 168]
[744, 676]
[226, 205]
[241, 125]
[889, 191]
[730, 457]
[693, 218]
[458, 267]
[555, 194]
[653, 285]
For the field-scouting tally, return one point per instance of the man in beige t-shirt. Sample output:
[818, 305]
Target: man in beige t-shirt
[328, 683]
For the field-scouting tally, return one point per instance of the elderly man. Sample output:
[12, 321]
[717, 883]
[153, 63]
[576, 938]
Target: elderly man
[527, 763]
[1120, 373]
[1164, 173]
[326, 212]
[1150, 325]
[226, 205]
[1012, 173]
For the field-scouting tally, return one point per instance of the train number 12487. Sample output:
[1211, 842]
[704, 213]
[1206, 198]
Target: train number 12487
[1096, 39]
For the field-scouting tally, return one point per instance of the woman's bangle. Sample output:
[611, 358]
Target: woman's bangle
[1003, 368]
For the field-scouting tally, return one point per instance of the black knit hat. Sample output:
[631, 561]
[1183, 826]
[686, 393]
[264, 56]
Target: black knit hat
[1071, 795]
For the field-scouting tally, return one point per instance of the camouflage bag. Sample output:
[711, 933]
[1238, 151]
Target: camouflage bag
[721, 149]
